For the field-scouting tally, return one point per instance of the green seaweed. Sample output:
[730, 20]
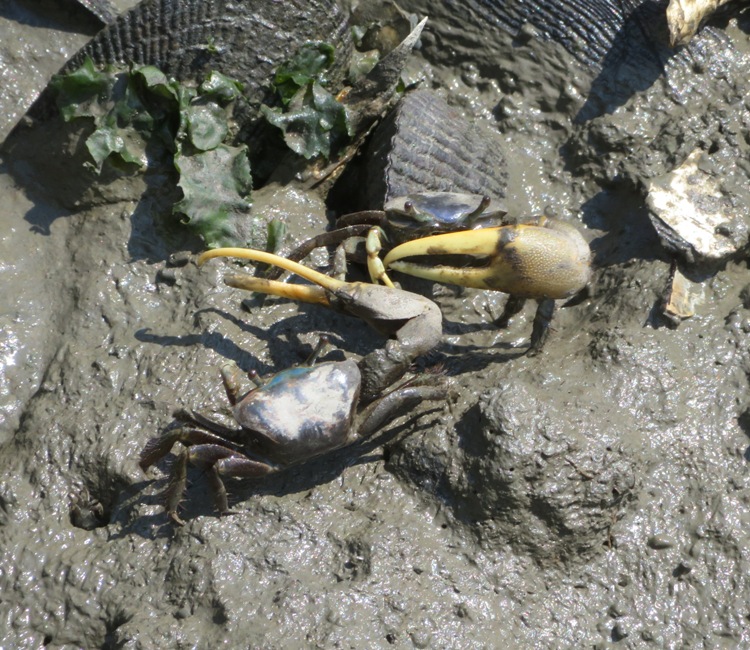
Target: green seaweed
[210, 198]
[308, 65]
[312, 121]
[135, 109]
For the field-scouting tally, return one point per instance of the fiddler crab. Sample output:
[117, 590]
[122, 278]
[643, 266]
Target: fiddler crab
[412, 323]
[401, 220]
[543, 259]
[295, 415]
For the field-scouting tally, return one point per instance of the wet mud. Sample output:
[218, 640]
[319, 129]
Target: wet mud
[595, 495]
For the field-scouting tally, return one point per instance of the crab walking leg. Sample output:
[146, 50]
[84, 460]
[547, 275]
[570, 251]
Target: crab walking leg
[176, 487]
[218, 461]
[397, 403]
[158, 447]
[331, 238]
[513, 305]
[542, 321]
[204, 449]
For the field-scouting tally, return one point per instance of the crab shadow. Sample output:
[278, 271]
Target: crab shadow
[640, 53]
[284, 340]
[65, 16]
[60, 187]
[628, 234]
[348, 335]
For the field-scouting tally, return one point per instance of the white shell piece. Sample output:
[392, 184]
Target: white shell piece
[685, 17]
[682, 297]
[691, 213]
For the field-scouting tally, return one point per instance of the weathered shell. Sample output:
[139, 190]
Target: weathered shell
[693, 215]
[685, 17]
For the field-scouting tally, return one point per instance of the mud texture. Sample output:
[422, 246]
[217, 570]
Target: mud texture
[594, 496]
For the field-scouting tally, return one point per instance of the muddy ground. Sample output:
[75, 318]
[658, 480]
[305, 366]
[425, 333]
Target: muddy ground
[593, 496]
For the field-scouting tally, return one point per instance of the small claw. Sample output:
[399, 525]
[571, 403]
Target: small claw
[373, 246]
[528, 261]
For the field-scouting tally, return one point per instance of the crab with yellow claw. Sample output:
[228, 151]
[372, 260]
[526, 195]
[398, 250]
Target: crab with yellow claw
[402, 219]
[546, 260]
[295, 415]
[412, 323]
[542, 259]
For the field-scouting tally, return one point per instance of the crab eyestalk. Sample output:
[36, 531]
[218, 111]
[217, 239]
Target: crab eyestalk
[312, 294]
[528, 261]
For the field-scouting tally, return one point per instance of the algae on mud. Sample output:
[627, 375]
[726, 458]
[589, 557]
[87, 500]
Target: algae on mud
[594, 496]
[139, 118]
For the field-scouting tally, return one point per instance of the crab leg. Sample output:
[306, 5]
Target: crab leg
[375, 266]
[330, 238]
[303, 293]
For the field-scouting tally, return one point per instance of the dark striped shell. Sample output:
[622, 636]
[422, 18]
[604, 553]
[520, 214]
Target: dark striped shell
[425, 144]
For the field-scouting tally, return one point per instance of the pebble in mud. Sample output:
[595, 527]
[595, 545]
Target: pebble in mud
[167, 276]
[660, 542]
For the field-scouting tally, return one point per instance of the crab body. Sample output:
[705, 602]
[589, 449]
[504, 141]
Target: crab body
[297, 414]
[301, 412]
[428, 213]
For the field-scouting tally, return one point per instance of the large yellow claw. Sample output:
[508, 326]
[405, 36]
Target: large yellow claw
[549, 260]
